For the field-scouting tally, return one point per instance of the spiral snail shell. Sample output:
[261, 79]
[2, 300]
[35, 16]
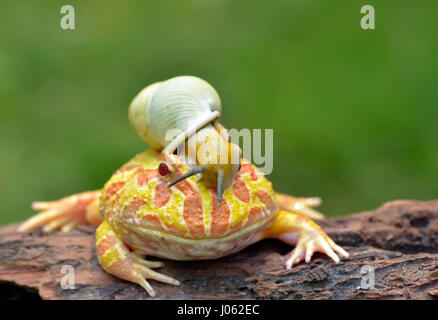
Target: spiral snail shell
[186, 103]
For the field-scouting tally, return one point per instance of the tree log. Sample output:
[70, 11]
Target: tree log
[394, 255]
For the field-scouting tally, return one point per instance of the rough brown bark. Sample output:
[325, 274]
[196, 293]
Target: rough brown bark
[399, 241]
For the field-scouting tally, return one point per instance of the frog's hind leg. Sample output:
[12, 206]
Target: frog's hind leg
[302, 206]
[116, 259]
[66, 213]
[305, 235]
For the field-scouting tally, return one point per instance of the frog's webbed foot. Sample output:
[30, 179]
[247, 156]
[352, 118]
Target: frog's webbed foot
[66, 213]
[117, 260]
[302, 206]
[306, 236]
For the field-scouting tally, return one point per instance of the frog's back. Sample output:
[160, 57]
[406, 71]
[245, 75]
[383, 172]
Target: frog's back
[185, 222]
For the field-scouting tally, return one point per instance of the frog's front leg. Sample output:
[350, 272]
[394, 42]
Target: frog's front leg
[65, 213]
[305, 235]
[118, 260]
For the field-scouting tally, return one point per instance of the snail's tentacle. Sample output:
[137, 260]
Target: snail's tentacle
[186, 175]
[220, 185]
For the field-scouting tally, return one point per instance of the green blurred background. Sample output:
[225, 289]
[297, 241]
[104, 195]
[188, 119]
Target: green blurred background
[354, 112]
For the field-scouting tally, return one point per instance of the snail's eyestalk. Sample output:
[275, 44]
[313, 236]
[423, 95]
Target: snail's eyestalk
[186, 175]
[220, 186]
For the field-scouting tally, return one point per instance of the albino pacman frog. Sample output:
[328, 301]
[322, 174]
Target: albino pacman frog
[172, 203]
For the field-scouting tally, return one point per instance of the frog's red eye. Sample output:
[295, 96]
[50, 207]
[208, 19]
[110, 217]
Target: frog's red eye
[163, 169]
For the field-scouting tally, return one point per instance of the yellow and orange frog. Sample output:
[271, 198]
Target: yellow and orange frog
[156, 205]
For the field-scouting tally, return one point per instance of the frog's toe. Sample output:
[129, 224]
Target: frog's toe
[148, 264]
[144, 273]
[52, 218]
[337, 248]
[73, 223]
[55, 224]
[302, 206]
[147, 287]
[150, 274]
[317, 241]
[296, 257]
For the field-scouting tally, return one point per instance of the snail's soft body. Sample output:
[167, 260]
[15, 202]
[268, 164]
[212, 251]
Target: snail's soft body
[156, 205]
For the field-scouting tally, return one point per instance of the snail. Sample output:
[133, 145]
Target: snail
[181, 115]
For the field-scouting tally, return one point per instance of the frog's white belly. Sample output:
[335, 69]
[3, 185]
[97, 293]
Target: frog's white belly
[165, 245]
